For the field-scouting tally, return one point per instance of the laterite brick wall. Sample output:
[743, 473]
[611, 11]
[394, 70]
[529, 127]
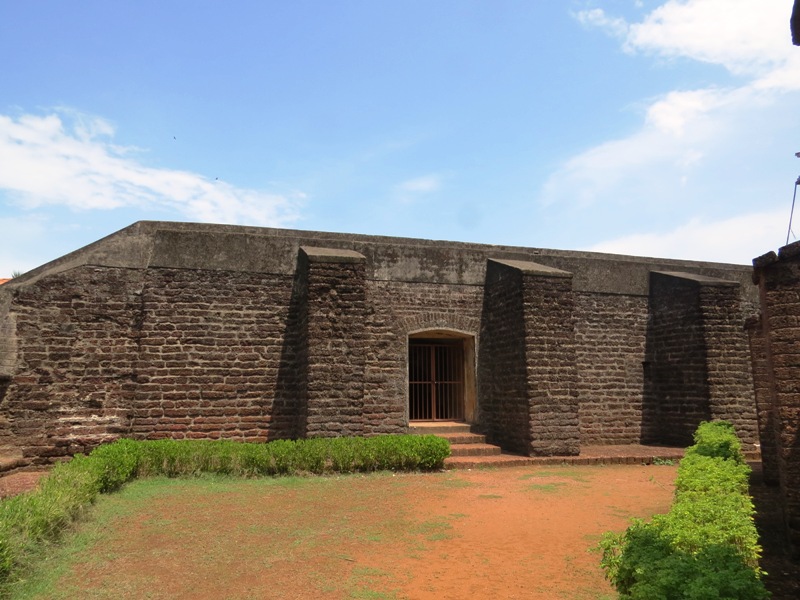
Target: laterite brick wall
[610, 338]
[778, 279]
[395, 310]
[526, 363]
[762, 381]
[335, 340]
[697, 364]
[203, 331]
[502, 365]
[76, 355]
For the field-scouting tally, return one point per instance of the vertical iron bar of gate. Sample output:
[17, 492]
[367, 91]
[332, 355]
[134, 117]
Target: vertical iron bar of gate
[433, 382]
[412, 378]
[436, 384]
[454, 387]
[447, 388]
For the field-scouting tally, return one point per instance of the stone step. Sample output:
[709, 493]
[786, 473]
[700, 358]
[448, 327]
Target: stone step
[474, 449]
[463, 438]
[463, 442]
[621, 455]
[438, 427]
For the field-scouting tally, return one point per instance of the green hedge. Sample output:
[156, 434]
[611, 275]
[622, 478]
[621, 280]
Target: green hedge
[706, 546]
[29, 522]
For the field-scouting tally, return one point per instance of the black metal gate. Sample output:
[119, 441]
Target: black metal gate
[435, 380]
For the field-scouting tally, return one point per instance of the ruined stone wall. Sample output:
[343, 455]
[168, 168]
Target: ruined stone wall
[150, 354]
[187, 331]
[764, 393]
[335, 343]
[76, 360]
[688, 338]
[212, 356]
[697, 365]
[610, 336]
[778, 278]
[728, 365]
[676, 387]
[551, 369]
[502, 365]
[397, 309]
[526, 361]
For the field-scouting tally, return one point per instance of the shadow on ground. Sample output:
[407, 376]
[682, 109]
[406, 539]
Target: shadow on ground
[783, 578]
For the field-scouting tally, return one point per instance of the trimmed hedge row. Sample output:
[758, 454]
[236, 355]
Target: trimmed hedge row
[706, 546]
[29, 522]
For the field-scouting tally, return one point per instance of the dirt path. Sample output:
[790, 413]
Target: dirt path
[506, 533]
[16, 483]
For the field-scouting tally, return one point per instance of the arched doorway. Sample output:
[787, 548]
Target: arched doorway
[441, 376]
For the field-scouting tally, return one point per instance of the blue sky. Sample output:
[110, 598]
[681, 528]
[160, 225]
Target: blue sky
[656, 128]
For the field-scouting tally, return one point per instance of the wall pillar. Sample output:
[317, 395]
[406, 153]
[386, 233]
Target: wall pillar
[696, 362]
[333, 341]
[765, 395]
[527, 374]
[778, 279]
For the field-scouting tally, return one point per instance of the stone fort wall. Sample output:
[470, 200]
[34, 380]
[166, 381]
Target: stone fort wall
[775, 339]
[203, 331]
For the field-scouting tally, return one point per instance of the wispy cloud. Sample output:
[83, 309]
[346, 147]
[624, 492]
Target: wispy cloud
[694, 146]
[735, 240]
[596, 17]
[411, 189]
[422, 185]
[747, 37]
[69, 159]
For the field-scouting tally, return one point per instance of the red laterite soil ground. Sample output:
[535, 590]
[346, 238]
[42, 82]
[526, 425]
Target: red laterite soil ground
[522, 532]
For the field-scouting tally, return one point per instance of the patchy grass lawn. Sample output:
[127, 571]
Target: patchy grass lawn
[505, 533]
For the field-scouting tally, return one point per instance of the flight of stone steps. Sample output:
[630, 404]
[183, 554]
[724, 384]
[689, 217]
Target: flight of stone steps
[468, 449]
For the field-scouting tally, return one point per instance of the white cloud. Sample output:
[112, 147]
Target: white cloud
[68, 159]
[411, 189]
[670, 145]
[422, 185]
[684, 132]
[745, 36]
[596, 17]
[672, 113]
[734, 240]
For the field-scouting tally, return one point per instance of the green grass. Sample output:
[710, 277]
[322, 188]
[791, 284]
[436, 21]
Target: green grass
[31, 522]
[321, 531]
[547, 488]
[320, 520]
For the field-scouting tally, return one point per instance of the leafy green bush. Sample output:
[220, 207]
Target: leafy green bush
[717, 439]
[706, 546]
[30, 521]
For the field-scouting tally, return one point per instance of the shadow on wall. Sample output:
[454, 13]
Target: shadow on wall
[502, 365]
[5, 434]
[289, 409]
[793, 519]
[676, 391]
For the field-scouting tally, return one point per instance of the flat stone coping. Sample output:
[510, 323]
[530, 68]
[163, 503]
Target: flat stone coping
[532, 268]
[332, 255]
[697, 278]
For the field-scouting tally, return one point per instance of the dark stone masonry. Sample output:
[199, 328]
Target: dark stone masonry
[211, 331]
[775, 339]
